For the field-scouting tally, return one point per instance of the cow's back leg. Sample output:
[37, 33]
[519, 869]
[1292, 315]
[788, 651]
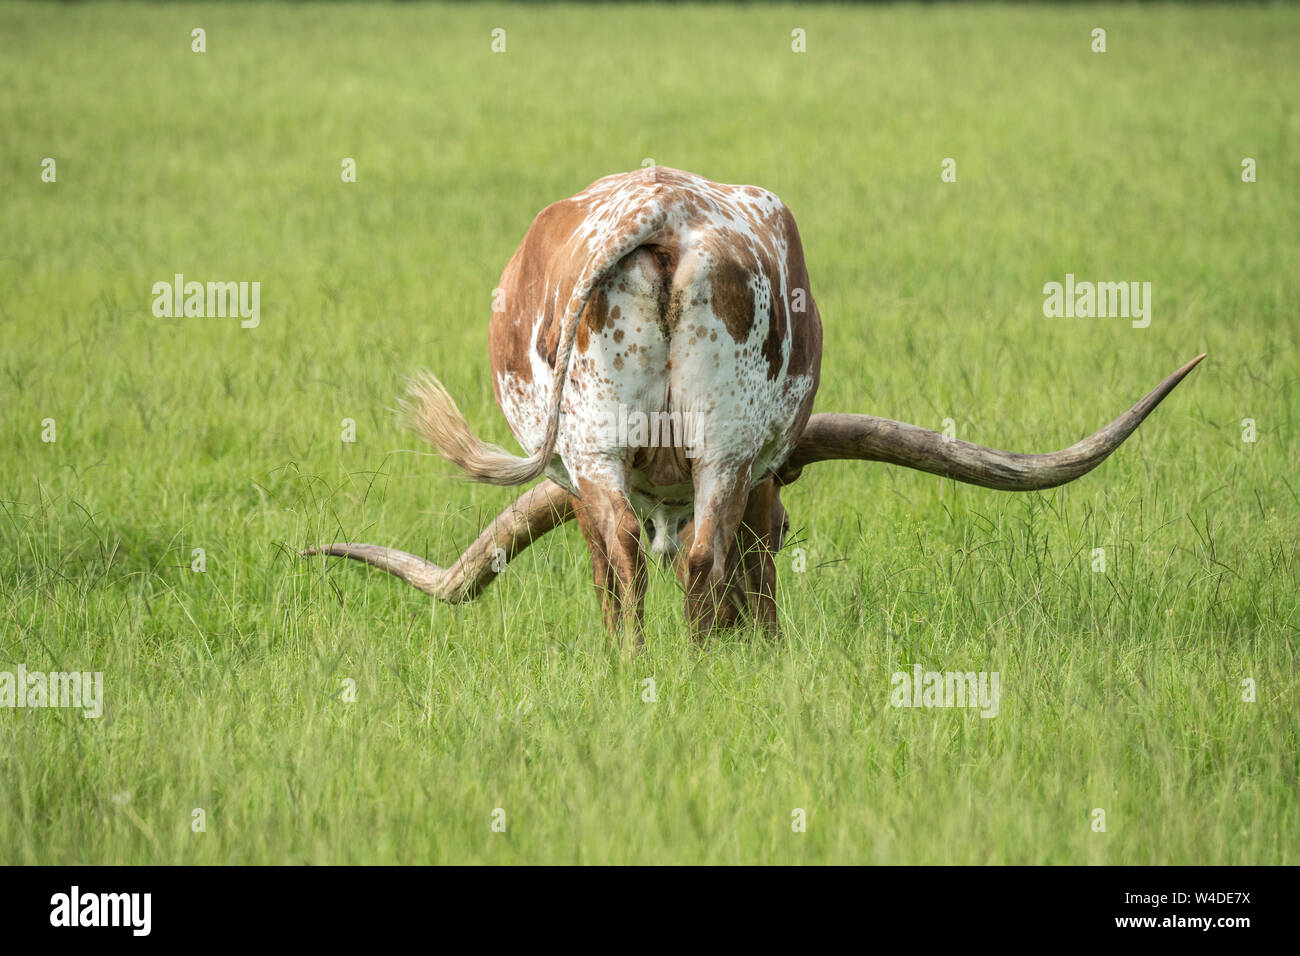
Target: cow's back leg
[613, 536]
[602, 571]
[750, 572]
[754, 541]
[721, 496]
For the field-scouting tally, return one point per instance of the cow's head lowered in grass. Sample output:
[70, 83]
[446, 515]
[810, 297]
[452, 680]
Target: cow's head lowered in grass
[656, 350]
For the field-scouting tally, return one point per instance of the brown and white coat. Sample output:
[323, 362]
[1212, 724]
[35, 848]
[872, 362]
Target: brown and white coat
[659, 296]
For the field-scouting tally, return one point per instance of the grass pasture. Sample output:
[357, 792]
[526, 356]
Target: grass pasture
[1120, 689]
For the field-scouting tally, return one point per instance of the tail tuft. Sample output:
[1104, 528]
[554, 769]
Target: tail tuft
[431, 413]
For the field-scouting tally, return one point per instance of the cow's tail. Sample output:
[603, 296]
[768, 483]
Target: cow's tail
[433, 414]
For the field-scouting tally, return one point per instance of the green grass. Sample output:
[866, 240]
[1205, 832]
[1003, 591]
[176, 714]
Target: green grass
[1120, 690]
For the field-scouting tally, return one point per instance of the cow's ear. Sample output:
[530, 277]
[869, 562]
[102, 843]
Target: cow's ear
[780, 522]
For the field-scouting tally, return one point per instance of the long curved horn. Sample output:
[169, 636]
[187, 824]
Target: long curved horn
[867, 438]
[530, 516]
[828, 436]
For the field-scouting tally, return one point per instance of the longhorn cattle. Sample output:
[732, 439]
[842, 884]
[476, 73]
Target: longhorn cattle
[661, 296]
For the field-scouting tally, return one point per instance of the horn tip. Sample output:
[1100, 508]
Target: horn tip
[1181, 373]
